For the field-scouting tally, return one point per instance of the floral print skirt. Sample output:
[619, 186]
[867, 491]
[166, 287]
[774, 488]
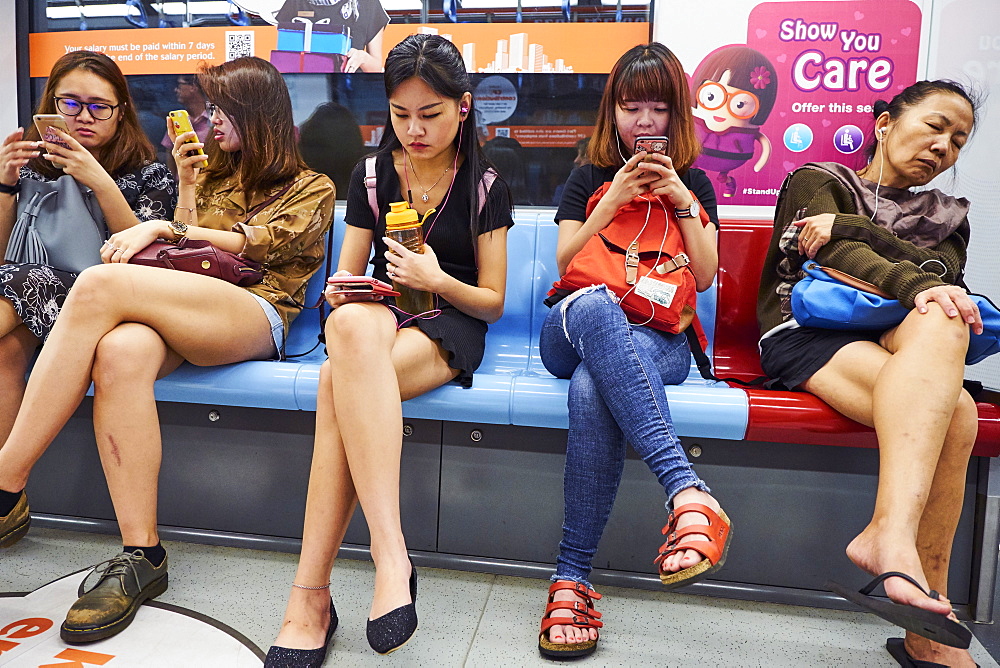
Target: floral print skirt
[37, 292]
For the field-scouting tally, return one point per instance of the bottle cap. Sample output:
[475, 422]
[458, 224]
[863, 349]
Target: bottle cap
[401, 217]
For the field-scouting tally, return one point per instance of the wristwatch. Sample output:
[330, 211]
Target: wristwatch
[179, 229]
[10, 190]
[692, 211]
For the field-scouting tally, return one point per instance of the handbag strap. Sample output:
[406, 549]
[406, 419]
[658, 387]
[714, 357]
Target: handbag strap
[266, 203]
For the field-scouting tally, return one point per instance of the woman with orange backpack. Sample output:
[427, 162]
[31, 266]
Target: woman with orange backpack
[631, 257]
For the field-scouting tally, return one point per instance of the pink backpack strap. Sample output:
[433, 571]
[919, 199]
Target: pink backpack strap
[489, 176]
[370, 185]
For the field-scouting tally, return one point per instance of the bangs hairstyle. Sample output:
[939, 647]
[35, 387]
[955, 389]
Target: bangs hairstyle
[129, 148]
[438, 63]
[253, 96]
[742, 63]
[645, 73]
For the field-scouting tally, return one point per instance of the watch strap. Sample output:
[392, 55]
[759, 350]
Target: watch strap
[10, 190]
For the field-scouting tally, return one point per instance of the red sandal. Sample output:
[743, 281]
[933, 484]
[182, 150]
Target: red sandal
[714, 548]
[584, 617]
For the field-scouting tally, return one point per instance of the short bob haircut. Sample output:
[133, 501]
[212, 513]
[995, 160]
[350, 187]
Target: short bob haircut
[129, 148]
[648, 72]
[253, 96]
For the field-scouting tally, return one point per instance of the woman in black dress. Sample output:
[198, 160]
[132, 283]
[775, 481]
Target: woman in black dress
[378, 355]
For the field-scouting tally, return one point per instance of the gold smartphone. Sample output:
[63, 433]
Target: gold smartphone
[45, 121]
[182, 124]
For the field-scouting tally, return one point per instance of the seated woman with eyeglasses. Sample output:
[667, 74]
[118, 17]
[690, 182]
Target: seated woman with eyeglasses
[106, 151]
[125, 325]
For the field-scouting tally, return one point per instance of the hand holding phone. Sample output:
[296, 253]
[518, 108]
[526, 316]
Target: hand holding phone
[181, 121]
[44, 124]
[651, 145]
[360, 285]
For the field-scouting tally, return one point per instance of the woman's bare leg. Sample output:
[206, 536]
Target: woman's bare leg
[372, 368]
[926, 427]
[16, 350]
[365, 350]
[329, 506]
[129, 359]
[230, 327]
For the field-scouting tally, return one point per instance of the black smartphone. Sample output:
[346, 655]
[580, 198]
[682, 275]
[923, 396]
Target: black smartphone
[651, 145]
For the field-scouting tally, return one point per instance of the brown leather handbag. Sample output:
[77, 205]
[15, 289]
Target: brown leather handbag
[198, 256]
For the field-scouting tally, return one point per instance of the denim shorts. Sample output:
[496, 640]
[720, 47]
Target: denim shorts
[277, 328]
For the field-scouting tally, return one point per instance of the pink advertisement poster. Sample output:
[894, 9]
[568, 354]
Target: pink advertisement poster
[800, 90]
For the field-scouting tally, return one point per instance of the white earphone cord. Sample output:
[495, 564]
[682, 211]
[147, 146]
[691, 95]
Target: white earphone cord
[881, 166]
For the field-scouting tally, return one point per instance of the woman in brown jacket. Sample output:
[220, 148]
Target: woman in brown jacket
[124, 325]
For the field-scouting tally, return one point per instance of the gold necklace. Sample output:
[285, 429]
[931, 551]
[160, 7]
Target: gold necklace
[425, 197]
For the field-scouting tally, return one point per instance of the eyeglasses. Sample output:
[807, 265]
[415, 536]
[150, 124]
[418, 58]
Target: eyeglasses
[742, 105]
[211, 109]
[69, 106]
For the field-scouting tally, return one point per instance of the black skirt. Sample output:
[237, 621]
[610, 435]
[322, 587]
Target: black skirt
[461, 335]
[792, 356]
[37, 293]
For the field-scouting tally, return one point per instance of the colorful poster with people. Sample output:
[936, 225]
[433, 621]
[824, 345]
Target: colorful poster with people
[800, 89]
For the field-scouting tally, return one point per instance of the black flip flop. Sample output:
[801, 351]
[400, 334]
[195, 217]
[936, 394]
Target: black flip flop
[930, 625]
[898, 651]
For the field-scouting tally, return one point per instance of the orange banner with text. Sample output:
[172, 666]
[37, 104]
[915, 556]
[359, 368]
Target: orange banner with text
[532, 47]
[154, 50]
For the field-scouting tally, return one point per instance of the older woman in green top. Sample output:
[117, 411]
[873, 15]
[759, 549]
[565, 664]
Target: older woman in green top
[912, 245]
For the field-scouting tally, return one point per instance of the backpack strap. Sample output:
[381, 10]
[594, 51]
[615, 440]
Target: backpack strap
[489, 176]
[370, 181]
[485, 184]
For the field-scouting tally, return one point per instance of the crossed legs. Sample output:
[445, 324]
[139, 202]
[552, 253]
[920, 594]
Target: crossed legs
[123, 325]
[356, 455]
[910, 390]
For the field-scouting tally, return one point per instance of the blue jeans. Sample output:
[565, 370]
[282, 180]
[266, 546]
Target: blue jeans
[617, 371]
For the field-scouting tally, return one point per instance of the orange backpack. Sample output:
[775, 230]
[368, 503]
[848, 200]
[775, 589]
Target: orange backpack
[640, 257]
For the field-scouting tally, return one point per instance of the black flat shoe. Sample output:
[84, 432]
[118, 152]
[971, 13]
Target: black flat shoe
[391, 631]
[282, 657]
[898, 651]
[930, 625]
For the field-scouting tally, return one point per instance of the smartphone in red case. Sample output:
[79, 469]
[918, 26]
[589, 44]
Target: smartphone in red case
[361, 285]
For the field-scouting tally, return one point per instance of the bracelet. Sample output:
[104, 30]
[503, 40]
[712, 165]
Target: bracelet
[10, 190]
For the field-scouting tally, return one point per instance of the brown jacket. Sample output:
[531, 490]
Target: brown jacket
[857, 246]
[286, 235]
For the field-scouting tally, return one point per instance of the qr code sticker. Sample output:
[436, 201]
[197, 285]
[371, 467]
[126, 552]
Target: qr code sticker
[503, 132]
[239, 43]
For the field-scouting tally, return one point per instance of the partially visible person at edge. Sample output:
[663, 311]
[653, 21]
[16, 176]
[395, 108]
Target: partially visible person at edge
[872, 225]
[430, 155]
[106, 152]
[192, 99]
[125, 325]
[618, 369]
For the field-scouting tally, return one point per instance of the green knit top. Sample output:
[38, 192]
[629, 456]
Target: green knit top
[857, 246]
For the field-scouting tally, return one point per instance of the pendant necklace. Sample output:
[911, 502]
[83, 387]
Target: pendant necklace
[425, 197]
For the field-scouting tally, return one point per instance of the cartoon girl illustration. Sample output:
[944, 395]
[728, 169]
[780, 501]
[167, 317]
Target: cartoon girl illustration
[734, 89]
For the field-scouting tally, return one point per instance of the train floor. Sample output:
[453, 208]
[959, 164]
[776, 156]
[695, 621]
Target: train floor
[465, 619]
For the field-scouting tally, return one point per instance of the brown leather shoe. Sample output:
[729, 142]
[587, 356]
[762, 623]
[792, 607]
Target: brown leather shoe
[14, 525]
[106, 607]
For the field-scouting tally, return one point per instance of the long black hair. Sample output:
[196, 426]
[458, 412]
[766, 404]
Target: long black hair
[438, 63]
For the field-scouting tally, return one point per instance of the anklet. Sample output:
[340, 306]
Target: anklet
[326, 586]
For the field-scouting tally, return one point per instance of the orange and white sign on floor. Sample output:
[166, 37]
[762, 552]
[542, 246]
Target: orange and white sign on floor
[160, 636]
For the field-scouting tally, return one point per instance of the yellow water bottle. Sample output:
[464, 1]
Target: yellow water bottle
[403, 226]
